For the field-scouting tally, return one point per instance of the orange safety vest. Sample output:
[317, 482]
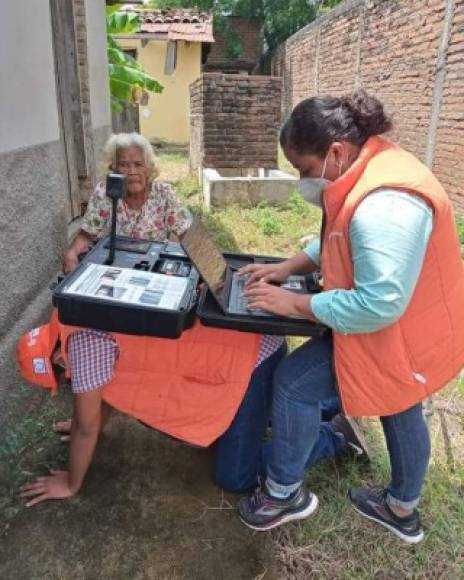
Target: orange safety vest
[189, 388]
[388, 371]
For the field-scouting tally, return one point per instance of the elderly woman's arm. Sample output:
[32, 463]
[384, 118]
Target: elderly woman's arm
[93, 225]
[84, 435]
[81, 244]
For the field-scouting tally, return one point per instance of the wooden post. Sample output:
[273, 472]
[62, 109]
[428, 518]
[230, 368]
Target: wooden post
[69, 95]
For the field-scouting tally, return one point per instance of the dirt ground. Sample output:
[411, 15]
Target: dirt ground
[148, 511]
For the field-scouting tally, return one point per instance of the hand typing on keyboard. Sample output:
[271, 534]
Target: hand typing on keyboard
[276, 272]
[278, 300]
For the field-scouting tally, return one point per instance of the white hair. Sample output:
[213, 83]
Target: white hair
[120, 141]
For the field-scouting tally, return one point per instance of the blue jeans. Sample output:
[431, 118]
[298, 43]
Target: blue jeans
[408, 444]
[240, 454]
[304, 379]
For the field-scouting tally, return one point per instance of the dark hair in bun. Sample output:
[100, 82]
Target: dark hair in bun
[317, 122]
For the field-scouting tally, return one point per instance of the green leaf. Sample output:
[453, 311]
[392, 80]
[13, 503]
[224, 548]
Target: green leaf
[111, 9]
[132, 76]
[120, 90]
[111, 42]
[122, 22]
[152, 85]
[118, 56]
[125, 72]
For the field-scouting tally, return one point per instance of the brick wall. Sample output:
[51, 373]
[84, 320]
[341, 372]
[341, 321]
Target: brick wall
[252, 47]
[410, 54]
[234, 121]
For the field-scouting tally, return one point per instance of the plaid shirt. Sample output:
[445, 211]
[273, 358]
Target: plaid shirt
[92, 354]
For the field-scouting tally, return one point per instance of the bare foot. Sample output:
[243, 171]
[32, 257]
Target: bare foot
[57, 358]
[63, 427]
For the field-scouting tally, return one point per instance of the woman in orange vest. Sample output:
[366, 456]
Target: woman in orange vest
[393, 296]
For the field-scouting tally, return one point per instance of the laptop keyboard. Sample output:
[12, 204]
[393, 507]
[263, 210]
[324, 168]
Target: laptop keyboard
[241, 301]
[238, 302]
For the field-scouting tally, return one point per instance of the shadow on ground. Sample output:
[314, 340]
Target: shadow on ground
[148, 510]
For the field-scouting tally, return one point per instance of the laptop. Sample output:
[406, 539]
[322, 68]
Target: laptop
[226, 285]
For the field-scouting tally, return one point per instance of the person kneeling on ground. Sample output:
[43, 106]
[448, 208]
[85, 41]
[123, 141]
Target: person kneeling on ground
[393, 296]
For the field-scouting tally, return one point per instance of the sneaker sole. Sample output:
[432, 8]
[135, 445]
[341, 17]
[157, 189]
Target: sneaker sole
[404, 537]
[309, 510]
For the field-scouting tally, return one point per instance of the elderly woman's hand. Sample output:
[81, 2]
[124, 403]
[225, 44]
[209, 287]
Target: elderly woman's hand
[53, 486]
[80, 245]
[70, 261]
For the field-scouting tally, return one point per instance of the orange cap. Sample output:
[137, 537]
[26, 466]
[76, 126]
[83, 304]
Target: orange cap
[34, 354]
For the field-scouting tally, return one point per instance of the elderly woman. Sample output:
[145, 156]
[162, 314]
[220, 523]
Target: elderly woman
[150, 210]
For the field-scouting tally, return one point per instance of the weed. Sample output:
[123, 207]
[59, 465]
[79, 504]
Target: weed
[26, 438]
[187, 187]
[267, 218]
[297, 204]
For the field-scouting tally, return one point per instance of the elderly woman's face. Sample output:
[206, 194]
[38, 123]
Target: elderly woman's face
[132, 164]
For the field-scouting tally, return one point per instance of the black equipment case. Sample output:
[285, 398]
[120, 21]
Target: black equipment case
[142, 316]
[168, 259]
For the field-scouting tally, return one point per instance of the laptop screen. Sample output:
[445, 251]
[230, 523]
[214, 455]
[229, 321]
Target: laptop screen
[206, 257]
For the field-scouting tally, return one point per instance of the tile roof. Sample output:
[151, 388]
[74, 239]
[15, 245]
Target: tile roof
[177, 23]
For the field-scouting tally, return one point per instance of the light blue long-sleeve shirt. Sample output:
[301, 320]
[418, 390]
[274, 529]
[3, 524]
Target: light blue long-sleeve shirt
[389, 233]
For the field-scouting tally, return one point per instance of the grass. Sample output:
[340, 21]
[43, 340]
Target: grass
[264, 229]
[460, 228]
[336, 542]
[26, 439]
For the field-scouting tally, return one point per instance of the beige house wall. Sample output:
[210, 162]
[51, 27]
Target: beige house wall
[166, 116]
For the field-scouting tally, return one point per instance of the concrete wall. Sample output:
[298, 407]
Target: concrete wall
[234, 121]
[34, 184]
[410, 54]
[27, 76]
[166, 116]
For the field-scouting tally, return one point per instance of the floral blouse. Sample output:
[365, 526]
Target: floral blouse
[161, 214]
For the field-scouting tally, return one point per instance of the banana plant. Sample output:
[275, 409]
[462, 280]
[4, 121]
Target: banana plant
[128, 81]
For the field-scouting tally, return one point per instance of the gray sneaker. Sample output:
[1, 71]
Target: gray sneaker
[372, 504]
[353, 436]
[261, 511]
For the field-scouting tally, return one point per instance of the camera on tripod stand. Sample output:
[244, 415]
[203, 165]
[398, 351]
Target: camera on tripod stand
[116, 186]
